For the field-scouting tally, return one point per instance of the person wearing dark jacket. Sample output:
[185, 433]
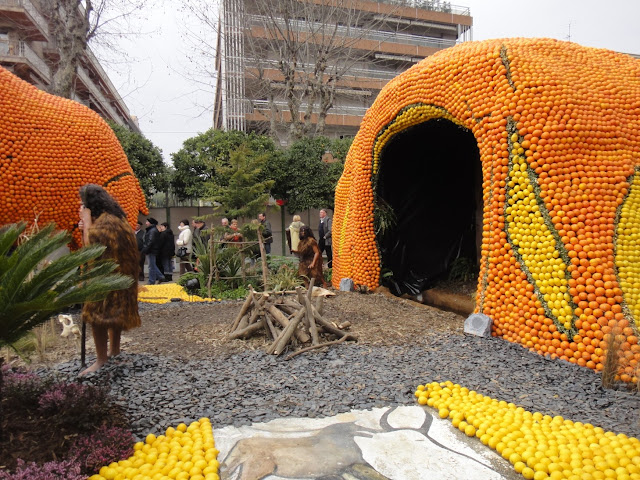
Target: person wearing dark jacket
[199, 239]
[140, 240]
[166, 251]
[151, 249]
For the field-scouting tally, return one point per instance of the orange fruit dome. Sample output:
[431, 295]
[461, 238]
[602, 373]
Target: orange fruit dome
[49, 148]
[555, 128]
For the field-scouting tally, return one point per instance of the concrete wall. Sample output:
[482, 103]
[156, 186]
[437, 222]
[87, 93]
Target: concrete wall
[173, 216]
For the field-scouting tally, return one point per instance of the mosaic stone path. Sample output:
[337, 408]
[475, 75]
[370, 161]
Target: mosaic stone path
[395, 443]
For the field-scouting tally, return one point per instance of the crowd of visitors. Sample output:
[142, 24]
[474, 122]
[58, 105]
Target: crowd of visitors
[157, 247]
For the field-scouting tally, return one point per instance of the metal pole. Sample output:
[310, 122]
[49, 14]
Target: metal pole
[83, 346]
[284, 233]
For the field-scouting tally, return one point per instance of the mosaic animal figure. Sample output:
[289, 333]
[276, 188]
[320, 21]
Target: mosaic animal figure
[69, 328]
[556, 130]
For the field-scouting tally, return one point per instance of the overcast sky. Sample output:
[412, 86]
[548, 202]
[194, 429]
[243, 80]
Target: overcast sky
[171, 108]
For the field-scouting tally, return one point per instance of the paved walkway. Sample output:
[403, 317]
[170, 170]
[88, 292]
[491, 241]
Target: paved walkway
[396, 443]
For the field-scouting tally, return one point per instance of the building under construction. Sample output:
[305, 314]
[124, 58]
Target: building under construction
[28, 50]
[321, 62]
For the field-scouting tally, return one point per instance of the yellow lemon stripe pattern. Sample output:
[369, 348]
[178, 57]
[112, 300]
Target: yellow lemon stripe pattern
[165, 292]
[530, 233]
[627, 250]
[182, 453]
[538, 446]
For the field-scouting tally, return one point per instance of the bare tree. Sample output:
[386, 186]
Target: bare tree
[75, 23]
[312, 46]
[293, 55]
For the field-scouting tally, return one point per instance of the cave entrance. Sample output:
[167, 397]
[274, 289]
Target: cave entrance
[428, 206]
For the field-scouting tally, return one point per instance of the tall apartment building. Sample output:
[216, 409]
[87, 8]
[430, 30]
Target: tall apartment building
[28, 50]
[383, 38]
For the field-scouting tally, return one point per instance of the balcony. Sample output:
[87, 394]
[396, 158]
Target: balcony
[351, 72]
[24, 13]
[105, 78]
[431, 5]
[336, 110]
[20, 53]
[97, 95]
[353, 32]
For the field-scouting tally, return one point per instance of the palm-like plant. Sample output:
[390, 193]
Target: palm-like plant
[31, 291]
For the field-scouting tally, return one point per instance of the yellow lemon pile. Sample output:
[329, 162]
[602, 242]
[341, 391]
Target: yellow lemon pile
[538, 446]
[163, 293]
[183, 453]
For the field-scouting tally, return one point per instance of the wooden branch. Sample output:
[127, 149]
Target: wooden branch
[291, 304]
[263, 257]
[329, 327]
[244, 321]
[320, 304]
[310, 291]
[303, 307]
[279, 317]
[258, 310]
[286, 334]
[243, 310]
[272, 329]
[313, 347]
[313, 329]
[246, 332]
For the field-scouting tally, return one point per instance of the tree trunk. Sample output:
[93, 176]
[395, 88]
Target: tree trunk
[71, 31]
[263, 257]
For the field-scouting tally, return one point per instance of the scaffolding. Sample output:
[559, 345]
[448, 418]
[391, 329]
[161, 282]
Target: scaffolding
[232, 66]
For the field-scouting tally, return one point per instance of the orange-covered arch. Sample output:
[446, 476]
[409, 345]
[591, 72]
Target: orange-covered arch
[49, 148]
[557, 127]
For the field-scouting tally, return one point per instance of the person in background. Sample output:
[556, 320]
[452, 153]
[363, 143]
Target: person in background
[151, 249]
[200, 239]
[223, 232]
[324, 236]
[140, 241]
[167, 250]
[185, 239]
[293, 234]
[310, 265]
[233, 235]
[267, 234]
[103, 222]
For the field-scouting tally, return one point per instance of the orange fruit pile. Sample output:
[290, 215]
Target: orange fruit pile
[49, 148]
[558, 130]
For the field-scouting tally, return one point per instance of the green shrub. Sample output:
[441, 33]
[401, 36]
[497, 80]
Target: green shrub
[286, 278]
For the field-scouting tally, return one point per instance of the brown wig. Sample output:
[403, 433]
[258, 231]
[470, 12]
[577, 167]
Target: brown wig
[307, 232]
[98, 200]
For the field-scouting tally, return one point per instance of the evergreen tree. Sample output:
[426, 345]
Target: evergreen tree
[240, 186]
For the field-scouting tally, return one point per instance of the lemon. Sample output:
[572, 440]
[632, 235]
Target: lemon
[150, 439]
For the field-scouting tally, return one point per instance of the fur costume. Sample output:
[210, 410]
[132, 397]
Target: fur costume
[120, 308]
[307, 250]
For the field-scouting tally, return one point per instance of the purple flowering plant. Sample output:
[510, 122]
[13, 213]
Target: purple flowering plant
[64, 470]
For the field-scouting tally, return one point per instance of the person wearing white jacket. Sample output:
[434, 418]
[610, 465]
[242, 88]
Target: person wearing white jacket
[185, 239]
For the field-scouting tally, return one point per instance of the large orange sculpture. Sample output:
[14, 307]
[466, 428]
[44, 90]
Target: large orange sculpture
[49, 148]
[556, 131]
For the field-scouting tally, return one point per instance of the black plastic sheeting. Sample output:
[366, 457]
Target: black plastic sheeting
[430, 175]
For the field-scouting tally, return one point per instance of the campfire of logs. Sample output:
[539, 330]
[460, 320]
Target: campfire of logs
[288, 319]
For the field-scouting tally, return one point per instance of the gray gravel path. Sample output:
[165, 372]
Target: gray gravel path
[254, 387]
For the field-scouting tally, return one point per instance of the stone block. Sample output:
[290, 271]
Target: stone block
[347, 285]
[478, 324]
